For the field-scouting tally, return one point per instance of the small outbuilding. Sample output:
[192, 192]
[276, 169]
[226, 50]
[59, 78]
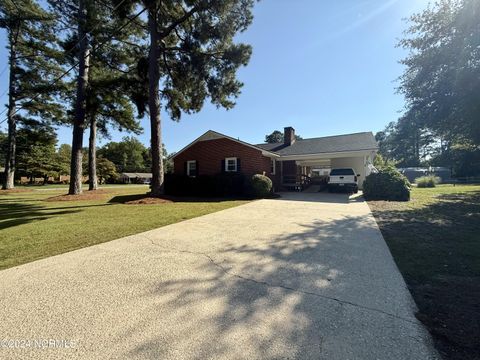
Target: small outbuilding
[136, 178]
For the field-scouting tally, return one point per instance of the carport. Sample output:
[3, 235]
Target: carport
[305, 169]
[294, 168]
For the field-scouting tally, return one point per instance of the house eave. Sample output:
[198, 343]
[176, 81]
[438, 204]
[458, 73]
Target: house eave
[216, 135]
[329, 155]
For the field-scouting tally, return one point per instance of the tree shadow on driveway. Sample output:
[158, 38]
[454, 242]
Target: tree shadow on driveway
[327, 290]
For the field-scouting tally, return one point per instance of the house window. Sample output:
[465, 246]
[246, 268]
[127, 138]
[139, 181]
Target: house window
[231, 164]
[272, 167]
[192, 168]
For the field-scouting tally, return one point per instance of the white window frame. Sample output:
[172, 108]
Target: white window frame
[273, 165]
[226, 164]
[188, 167]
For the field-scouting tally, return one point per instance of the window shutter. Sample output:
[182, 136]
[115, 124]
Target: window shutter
[239, 168]
[222, 165]
[185, 170]
[196, 168]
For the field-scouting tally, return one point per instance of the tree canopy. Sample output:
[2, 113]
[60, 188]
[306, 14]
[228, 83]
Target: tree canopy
[440, 125]
[441, 82]
[277, 137]
[32, 93]
[97, 58]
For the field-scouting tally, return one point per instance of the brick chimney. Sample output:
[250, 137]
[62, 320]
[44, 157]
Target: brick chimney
[288, 135]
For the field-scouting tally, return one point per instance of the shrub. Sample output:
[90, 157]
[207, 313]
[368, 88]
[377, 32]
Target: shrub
[229, 184]
[221, 185]
[261, 186]
[387, 184]
[427, 181]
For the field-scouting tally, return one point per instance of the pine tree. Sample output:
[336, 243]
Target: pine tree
[108, 104]
[103, 54]
[193, 57]
[32, 92]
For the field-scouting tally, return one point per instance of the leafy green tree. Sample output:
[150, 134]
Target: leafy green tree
[106, 170]
[441, 82]
[277, 137]
[408, 142]
[41, 162]
[36, 155]
[128, 155]
[63, 156]
[32, 70]
[192, 56]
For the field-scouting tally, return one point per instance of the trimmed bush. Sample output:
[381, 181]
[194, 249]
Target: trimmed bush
[427, 181]
[229, 184]
[261, 186]
[387, 184]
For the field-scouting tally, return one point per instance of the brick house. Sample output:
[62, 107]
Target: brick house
[291, 164]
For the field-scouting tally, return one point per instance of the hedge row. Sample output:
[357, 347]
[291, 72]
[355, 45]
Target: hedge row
[221, 185]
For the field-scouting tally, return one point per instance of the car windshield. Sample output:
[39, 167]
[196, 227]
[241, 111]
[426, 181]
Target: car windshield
[342, 172]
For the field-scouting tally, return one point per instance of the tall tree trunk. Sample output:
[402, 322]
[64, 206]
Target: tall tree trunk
[92, 155]
[79, 121]
[8, 181]
[154, 102]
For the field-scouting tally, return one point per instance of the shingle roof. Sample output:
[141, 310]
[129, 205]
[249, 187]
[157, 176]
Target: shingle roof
[137, 175]
[328, 144]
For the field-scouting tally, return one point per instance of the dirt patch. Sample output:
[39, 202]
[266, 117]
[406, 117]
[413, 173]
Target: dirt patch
[149, 201]
[13, 191]
[87, 195]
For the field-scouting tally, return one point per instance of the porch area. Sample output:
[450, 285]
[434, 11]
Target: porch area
[310, 173]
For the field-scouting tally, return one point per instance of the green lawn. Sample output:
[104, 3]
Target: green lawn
[32, 228]
[435, 240]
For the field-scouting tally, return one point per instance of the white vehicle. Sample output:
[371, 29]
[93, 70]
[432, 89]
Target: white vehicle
[345, 179]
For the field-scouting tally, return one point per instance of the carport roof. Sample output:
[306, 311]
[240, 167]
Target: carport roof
[328, 144]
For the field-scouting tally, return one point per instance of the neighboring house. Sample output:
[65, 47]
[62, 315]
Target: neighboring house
[288, 164]
[412, 173]
[136, 178]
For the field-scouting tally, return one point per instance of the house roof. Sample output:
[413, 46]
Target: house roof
[212, 135]
[328, 144]
[137, 175]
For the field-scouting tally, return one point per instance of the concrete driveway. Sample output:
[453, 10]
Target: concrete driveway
[308, 276]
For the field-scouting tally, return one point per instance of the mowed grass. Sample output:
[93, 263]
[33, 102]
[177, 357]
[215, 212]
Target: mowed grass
[435, 240]
[32, 228]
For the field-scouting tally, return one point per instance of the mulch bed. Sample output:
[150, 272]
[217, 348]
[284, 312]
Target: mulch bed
[86, 195]
[13, 191]
[149, 201]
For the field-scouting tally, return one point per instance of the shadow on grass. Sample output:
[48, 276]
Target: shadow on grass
[437, 248]
[322, 197]
[14, 213]
[122, 199]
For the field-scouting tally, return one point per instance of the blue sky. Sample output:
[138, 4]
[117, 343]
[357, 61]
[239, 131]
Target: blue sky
[323, 67]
